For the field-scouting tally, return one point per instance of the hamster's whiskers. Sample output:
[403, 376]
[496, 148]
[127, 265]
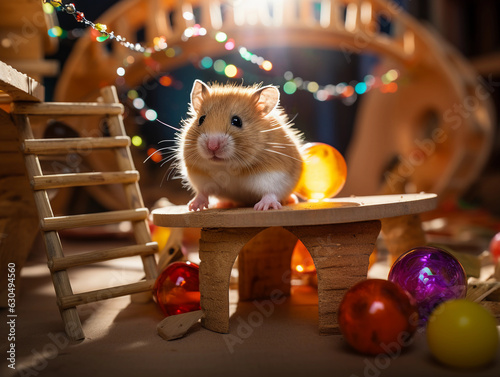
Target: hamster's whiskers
[281, 144]
[290, 122]
[282, 154]
[166, 141]
[168, 159]
[169, 174]
[272, 129]
[168, 125]
[171, 148]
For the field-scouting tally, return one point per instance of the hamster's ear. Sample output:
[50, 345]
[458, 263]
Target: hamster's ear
[199, 91]
[268, 98]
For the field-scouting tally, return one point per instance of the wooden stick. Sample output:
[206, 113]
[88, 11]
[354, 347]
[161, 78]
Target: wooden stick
[106, 293]
[58, 264]
[92, 219]
[66, 108]
[55, 146]
[83, 179]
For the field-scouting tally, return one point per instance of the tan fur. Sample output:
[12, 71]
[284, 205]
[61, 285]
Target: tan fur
[265, 143]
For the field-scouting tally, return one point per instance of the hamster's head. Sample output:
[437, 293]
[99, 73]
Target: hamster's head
[227, 125]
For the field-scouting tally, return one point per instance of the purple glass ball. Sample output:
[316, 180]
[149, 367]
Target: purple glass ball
[431, 275]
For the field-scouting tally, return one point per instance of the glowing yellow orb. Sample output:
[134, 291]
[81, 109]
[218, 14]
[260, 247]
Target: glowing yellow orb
[323, 174]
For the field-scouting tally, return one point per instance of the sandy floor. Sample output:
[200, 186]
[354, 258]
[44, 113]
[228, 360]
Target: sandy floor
[122, 338]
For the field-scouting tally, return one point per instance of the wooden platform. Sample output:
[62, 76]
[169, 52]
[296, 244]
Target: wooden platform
[339, 234]
[332, 211]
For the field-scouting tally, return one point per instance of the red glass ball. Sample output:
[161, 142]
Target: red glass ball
[376, 317]
[177, 288]
[495, 247]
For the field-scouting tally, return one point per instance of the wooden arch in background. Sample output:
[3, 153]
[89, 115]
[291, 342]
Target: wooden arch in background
[435, 147]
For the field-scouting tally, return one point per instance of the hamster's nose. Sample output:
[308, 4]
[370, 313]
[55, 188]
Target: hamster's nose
[213, 145]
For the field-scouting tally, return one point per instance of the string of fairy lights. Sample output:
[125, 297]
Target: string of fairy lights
[386, 82]
[346, 92]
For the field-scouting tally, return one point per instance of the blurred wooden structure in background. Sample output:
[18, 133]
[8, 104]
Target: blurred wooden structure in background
[409, 141]
[24, 39]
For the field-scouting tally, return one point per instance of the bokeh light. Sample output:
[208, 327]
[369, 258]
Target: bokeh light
[165, 80]
[221, 37]
[150, 115]
[138, 103]
[360, 87]
[230, 70]
[288, 75]
[132, 94]
[321, 95]
[55, 31]
[170, 52]
[267, 65]
[313, 87]
[47, 8]
[392, 75]
[219, 66]
[348, 91]
[230, 44]
[206, 62]
[188, 16]
[136, 141]
[290, 87]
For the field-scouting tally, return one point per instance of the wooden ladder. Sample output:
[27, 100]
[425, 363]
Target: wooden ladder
[50, 225]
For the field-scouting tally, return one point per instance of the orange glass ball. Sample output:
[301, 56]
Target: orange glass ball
[324, 172]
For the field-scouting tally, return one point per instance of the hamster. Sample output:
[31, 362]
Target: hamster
[237, 145]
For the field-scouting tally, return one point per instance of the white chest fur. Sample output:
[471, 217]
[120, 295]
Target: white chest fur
[243, 189]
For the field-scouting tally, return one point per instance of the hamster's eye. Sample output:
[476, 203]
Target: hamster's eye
[201, 120]
[236, 121]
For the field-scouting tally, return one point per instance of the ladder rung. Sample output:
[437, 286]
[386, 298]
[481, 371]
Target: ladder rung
[67, 302]
[63, 146]
[92, 219]
[67, 108]
[46, 182]
[58, 264]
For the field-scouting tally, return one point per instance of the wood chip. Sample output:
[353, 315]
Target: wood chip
[477, 291]
[176, 326]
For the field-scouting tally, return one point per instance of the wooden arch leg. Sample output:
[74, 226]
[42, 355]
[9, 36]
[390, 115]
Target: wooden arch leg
[219, 248]
[341, 255]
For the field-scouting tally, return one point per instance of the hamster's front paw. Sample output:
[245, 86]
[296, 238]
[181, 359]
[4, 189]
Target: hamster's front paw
[199, 203]
[268, 201]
